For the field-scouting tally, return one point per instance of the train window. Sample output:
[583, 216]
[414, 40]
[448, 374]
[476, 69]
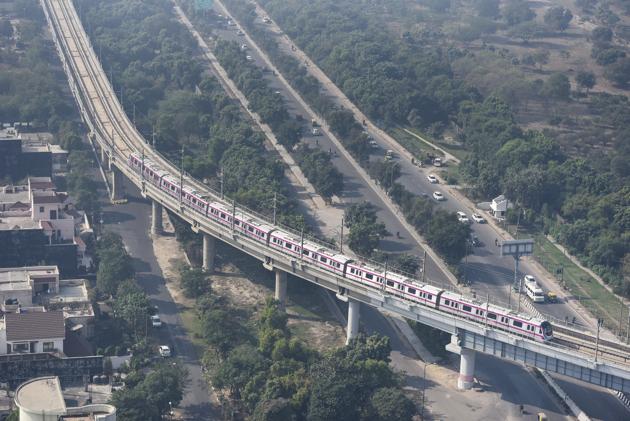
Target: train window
[322, 259]
[517, 323]
[430, 297]
[222, 215]
[447, 302]
[237, 222]
[369, 276]
[263, 235]
[380, 280]
[455, 305]
[467, 308]
[390, 283]
[250, 229]
[400, 287]
[492, 316]
[288, 245]
[352, 271]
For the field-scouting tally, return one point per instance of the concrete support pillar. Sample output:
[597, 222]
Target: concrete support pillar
[281, 287]
[104, 158]
[354, 308]
[466, 369]
[117, 184]
[156, 220]
[209, 252]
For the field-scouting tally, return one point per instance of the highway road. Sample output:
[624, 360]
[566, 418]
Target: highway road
[488, 272]
[485, 268]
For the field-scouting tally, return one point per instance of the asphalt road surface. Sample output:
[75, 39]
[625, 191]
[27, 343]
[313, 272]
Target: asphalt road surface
[132, 221]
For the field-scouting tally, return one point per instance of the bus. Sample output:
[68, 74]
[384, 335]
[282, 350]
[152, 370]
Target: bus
[533, 290]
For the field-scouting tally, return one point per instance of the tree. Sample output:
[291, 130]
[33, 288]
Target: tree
[194, 281]
[558, 18]
[585, 80]
[557, 87]
[132, 305]
[114, 264]
[517, 11]
[133, 405]
[279, 409]
[619, 72]
[389, 404]
[164, 386]
[447, 235]
[365, 231]
[487, 8]
[601, 35]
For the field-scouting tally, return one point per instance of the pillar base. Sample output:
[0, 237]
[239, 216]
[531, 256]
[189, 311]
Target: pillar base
[466, 378]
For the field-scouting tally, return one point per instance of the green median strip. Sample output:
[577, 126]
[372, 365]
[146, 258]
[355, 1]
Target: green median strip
[590, 293]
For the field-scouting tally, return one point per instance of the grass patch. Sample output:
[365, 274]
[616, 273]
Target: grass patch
[192, 325]
[415, 146]
[455, 150]
[597, 299]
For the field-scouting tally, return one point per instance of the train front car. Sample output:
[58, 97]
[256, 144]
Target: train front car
[547, 331]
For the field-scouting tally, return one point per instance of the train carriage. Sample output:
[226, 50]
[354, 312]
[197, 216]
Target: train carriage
[339, 264]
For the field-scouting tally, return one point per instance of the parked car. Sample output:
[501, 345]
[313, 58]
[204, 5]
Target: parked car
[249, 58]
[240, 32]
[155, 321]
[478, 218]
[474, 240]
[462, 217]
[165, 351]
[315, 131]
[438, 196]
[432, 179]
[437, 162]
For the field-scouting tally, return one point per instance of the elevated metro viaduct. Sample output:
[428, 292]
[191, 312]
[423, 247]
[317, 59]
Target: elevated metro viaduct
[116, 137]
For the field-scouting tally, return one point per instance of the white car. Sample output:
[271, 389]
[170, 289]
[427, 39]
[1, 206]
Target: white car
[249, 58]
[243, 47]
[462, 217]
[438, 196]
[155, 321]
[240, 33]
[432, 179]
[165, 351]
[478, 218]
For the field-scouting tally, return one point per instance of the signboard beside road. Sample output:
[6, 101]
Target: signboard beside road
[516, 249]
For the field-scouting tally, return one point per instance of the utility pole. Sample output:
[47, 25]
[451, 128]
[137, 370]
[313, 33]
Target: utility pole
[134, 115]
[628, 328]
[153, 136]
[233, 213]
[620, 316]
[181, 180]
[385, 276]
[424, 265]
[341, 237]
[221, 180]
[142, 166]
[302, 244]
[275, 205]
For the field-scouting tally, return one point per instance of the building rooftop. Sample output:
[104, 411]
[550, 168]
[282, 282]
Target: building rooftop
[41, 183]
[33, 326]
[18, 223]
[41, 395]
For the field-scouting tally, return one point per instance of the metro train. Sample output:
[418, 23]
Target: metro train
[340, 264]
